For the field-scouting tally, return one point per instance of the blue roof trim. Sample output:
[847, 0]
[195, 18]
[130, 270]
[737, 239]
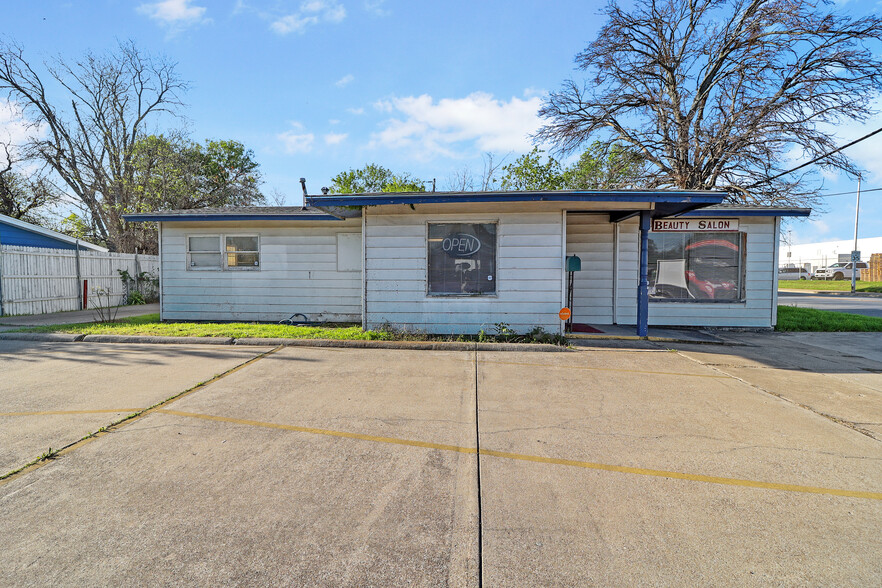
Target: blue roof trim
[438, 198]
[748, 212]
[157, 217]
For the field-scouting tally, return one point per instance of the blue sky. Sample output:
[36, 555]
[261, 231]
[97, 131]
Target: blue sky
[316, 87]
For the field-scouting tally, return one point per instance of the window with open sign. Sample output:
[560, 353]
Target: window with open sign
[461, 259]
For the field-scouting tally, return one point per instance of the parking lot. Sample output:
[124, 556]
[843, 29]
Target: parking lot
[751, 463]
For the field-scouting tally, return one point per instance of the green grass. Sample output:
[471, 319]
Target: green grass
[149, 324]
[793, 319]
[834, 285]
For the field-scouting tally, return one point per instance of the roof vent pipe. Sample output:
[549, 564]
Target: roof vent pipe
[325, 190]
[303, 185]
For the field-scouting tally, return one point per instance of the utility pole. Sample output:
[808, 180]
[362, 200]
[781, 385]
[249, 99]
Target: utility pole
[855, 254]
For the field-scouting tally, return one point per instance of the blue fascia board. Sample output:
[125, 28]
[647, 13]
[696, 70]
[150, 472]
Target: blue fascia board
[430, 198]
[747, 212]
[158, 217]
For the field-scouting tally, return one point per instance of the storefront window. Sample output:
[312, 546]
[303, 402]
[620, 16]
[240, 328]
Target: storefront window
[701, 267]
[462, 259]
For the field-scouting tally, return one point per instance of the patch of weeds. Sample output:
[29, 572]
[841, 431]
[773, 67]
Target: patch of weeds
[48, 455]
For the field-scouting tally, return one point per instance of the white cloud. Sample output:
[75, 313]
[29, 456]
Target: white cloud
[355, 111]
[335, 138]
[15, 128]
[441, 127]
[174, 13]
[376, 7]
[310, 13]
[296, 141]
[344, 81]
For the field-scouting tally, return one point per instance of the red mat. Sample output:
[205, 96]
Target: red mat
[583, 328]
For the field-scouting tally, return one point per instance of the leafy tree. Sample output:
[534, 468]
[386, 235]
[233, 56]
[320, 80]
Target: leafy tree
[529, 172]
[717, 93]
[599, 167]
[176, 173]
[605, 167]
[104, 107]
[374, 178]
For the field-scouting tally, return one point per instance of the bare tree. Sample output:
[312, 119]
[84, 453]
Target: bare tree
[718, 93]
[23, 195]
[112, 100]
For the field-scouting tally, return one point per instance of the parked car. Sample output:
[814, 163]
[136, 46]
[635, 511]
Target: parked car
[840, 271]
[794, 273]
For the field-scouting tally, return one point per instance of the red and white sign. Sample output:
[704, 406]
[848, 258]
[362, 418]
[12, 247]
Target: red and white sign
[695, 225]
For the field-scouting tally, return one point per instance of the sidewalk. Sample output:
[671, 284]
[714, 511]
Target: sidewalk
[72, 317]
[660, 334]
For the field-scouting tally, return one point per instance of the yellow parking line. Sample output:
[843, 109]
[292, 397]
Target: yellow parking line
[604, 369]
[55, 412]
[535, 458]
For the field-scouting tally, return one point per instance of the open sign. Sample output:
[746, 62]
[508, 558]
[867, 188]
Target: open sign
[461, 245]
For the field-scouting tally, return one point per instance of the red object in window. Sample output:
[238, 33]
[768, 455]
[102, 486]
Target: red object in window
[708, 288]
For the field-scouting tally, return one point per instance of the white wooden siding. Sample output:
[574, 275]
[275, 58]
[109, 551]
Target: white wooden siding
[34, 280]
[590, 236]
[528, 275]
[298, 274]
[760, 271]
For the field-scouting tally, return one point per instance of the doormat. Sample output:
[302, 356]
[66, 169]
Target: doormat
[583, 328]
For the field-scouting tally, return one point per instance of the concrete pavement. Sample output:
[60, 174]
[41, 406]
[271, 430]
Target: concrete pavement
[52, 394]
[354, 467]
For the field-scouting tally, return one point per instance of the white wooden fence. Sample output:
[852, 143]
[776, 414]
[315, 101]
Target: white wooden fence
[35, 280]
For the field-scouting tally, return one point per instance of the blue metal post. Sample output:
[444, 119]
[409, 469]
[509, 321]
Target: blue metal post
[643, 286]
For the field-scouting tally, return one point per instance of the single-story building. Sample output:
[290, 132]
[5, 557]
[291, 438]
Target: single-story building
[18, 232]
[444, 262]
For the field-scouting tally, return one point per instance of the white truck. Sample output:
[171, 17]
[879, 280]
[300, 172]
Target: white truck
[840, 271]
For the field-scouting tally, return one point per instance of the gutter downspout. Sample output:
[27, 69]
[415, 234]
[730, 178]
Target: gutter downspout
[161, 297]
[643, 286]
[1, 278]
[364, 268]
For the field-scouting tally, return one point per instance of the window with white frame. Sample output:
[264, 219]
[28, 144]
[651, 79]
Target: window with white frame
[461, 259]
[223, 252]
[696, 267]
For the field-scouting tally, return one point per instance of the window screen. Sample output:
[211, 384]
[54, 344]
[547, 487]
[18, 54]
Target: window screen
[703, 267]
[204, 251]
[242, 251]
[461, 259]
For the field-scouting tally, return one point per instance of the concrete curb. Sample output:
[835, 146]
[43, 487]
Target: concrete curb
[64, 337]
[157, 339]
[412, 345]
[833, 293]
[272, 342]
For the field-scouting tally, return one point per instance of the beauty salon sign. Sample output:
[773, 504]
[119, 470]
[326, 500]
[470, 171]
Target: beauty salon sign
[694, 225]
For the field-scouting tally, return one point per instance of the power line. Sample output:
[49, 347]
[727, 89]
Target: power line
[850, 193]
[816, 159]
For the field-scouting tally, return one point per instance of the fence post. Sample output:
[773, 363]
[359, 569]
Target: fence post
[79, 279]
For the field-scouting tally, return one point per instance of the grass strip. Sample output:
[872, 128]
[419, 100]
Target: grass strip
[830, 285]
[795, 319]
[149, 324]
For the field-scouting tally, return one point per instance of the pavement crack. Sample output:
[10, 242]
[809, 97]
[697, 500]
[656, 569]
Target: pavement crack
[839, 421]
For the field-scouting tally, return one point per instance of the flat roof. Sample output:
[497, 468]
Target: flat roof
[234, 213]
[701, 197]
[735, 209]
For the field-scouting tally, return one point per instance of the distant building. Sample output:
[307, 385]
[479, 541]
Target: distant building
[814, 255]
[18, 232]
